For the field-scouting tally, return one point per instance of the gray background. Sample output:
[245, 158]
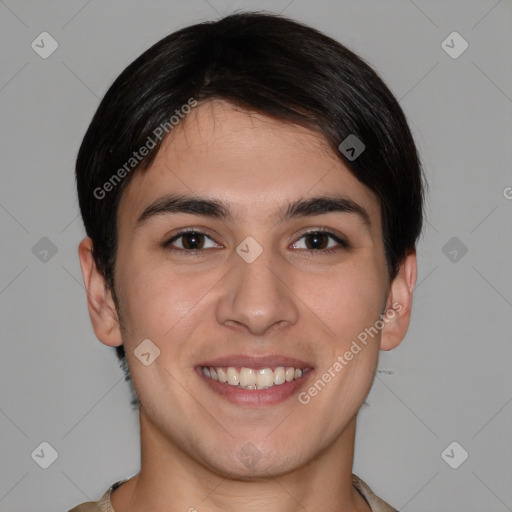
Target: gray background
[450, 380]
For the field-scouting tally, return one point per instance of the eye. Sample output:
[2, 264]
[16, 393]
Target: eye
[320, 241]
[190, 240]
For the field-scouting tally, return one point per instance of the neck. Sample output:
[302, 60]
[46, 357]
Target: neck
[171, 478]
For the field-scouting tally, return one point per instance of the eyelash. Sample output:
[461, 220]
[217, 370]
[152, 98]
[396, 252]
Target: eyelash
[343, 244]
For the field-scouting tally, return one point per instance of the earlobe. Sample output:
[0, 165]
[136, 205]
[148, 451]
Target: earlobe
[100, 303]
[399, 303]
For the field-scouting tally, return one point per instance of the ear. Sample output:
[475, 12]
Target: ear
[399, 304]
[100, 302]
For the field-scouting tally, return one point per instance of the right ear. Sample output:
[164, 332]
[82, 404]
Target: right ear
[100, 302]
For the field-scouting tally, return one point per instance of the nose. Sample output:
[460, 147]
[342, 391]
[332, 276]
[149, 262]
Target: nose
[257, 296]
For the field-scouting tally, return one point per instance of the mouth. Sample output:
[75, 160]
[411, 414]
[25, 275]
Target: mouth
[253, 378]
[262, 380]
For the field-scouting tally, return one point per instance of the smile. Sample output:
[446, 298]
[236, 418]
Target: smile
[253, 379]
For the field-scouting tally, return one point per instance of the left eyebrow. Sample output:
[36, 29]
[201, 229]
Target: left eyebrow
[326, 204]
[207, 207]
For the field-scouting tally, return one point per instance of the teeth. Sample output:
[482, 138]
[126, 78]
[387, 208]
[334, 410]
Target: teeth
[233, 376]
[264, 378]
[279, 375]
[221, 374]
[249, 378]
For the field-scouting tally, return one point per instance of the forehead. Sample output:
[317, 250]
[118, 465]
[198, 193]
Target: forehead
[250, 161]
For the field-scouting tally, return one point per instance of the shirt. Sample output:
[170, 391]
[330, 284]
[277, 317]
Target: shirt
[104, 504]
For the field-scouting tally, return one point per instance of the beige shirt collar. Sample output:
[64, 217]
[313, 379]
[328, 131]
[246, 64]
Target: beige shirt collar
[104, 504]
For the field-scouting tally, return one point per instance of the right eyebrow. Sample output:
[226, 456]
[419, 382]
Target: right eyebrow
[185, 204]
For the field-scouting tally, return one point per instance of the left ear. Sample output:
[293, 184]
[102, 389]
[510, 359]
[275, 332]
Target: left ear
[399, 303]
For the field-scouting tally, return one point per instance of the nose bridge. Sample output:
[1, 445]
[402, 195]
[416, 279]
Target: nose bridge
[257, 280]
[255, 292]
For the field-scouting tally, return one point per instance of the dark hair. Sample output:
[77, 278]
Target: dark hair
[264, 63]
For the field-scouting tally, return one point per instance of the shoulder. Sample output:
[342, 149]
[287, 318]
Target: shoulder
[376, 504]
[102, 505]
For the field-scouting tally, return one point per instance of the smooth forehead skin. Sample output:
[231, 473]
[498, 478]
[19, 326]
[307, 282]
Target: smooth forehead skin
[253, 163]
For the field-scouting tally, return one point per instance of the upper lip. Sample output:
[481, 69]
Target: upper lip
[256, 361]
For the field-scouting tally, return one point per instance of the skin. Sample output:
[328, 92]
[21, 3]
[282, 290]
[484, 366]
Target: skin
[303, 304]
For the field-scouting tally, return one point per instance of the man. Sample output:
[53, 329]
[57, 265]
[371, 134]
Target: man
[252, 197]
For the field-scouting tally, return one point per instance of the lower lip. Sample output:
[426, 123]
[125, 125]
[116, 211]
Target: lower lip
[255, 397]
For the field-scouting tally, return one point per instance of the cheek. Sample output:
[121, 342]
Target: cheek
[155, 305]
[349, 304]
[160, 303]
[347, 301]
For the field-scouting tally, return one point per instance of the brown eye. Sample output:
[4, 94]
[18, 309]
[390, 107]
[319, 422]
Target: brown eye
[316, 240]
[190, 241]
[320, 241]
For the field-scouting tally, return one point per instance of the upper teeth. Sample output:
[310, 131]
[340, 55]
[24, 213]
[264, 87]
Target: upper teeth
[250, 378]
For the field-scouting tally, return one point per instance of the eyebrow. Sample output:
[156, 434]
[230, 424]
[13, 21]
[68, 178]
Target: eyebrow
[208, 207]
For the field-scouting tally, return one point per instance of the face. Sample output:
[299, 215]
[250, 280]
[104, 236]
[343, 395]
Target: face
[272, 259]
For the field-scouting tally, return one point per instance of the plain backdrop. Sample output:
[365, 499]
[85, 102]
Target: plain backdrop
[450, 379]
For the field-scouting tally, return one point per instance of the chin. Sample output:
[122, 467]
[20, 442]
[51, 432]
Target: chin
[250, 460]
